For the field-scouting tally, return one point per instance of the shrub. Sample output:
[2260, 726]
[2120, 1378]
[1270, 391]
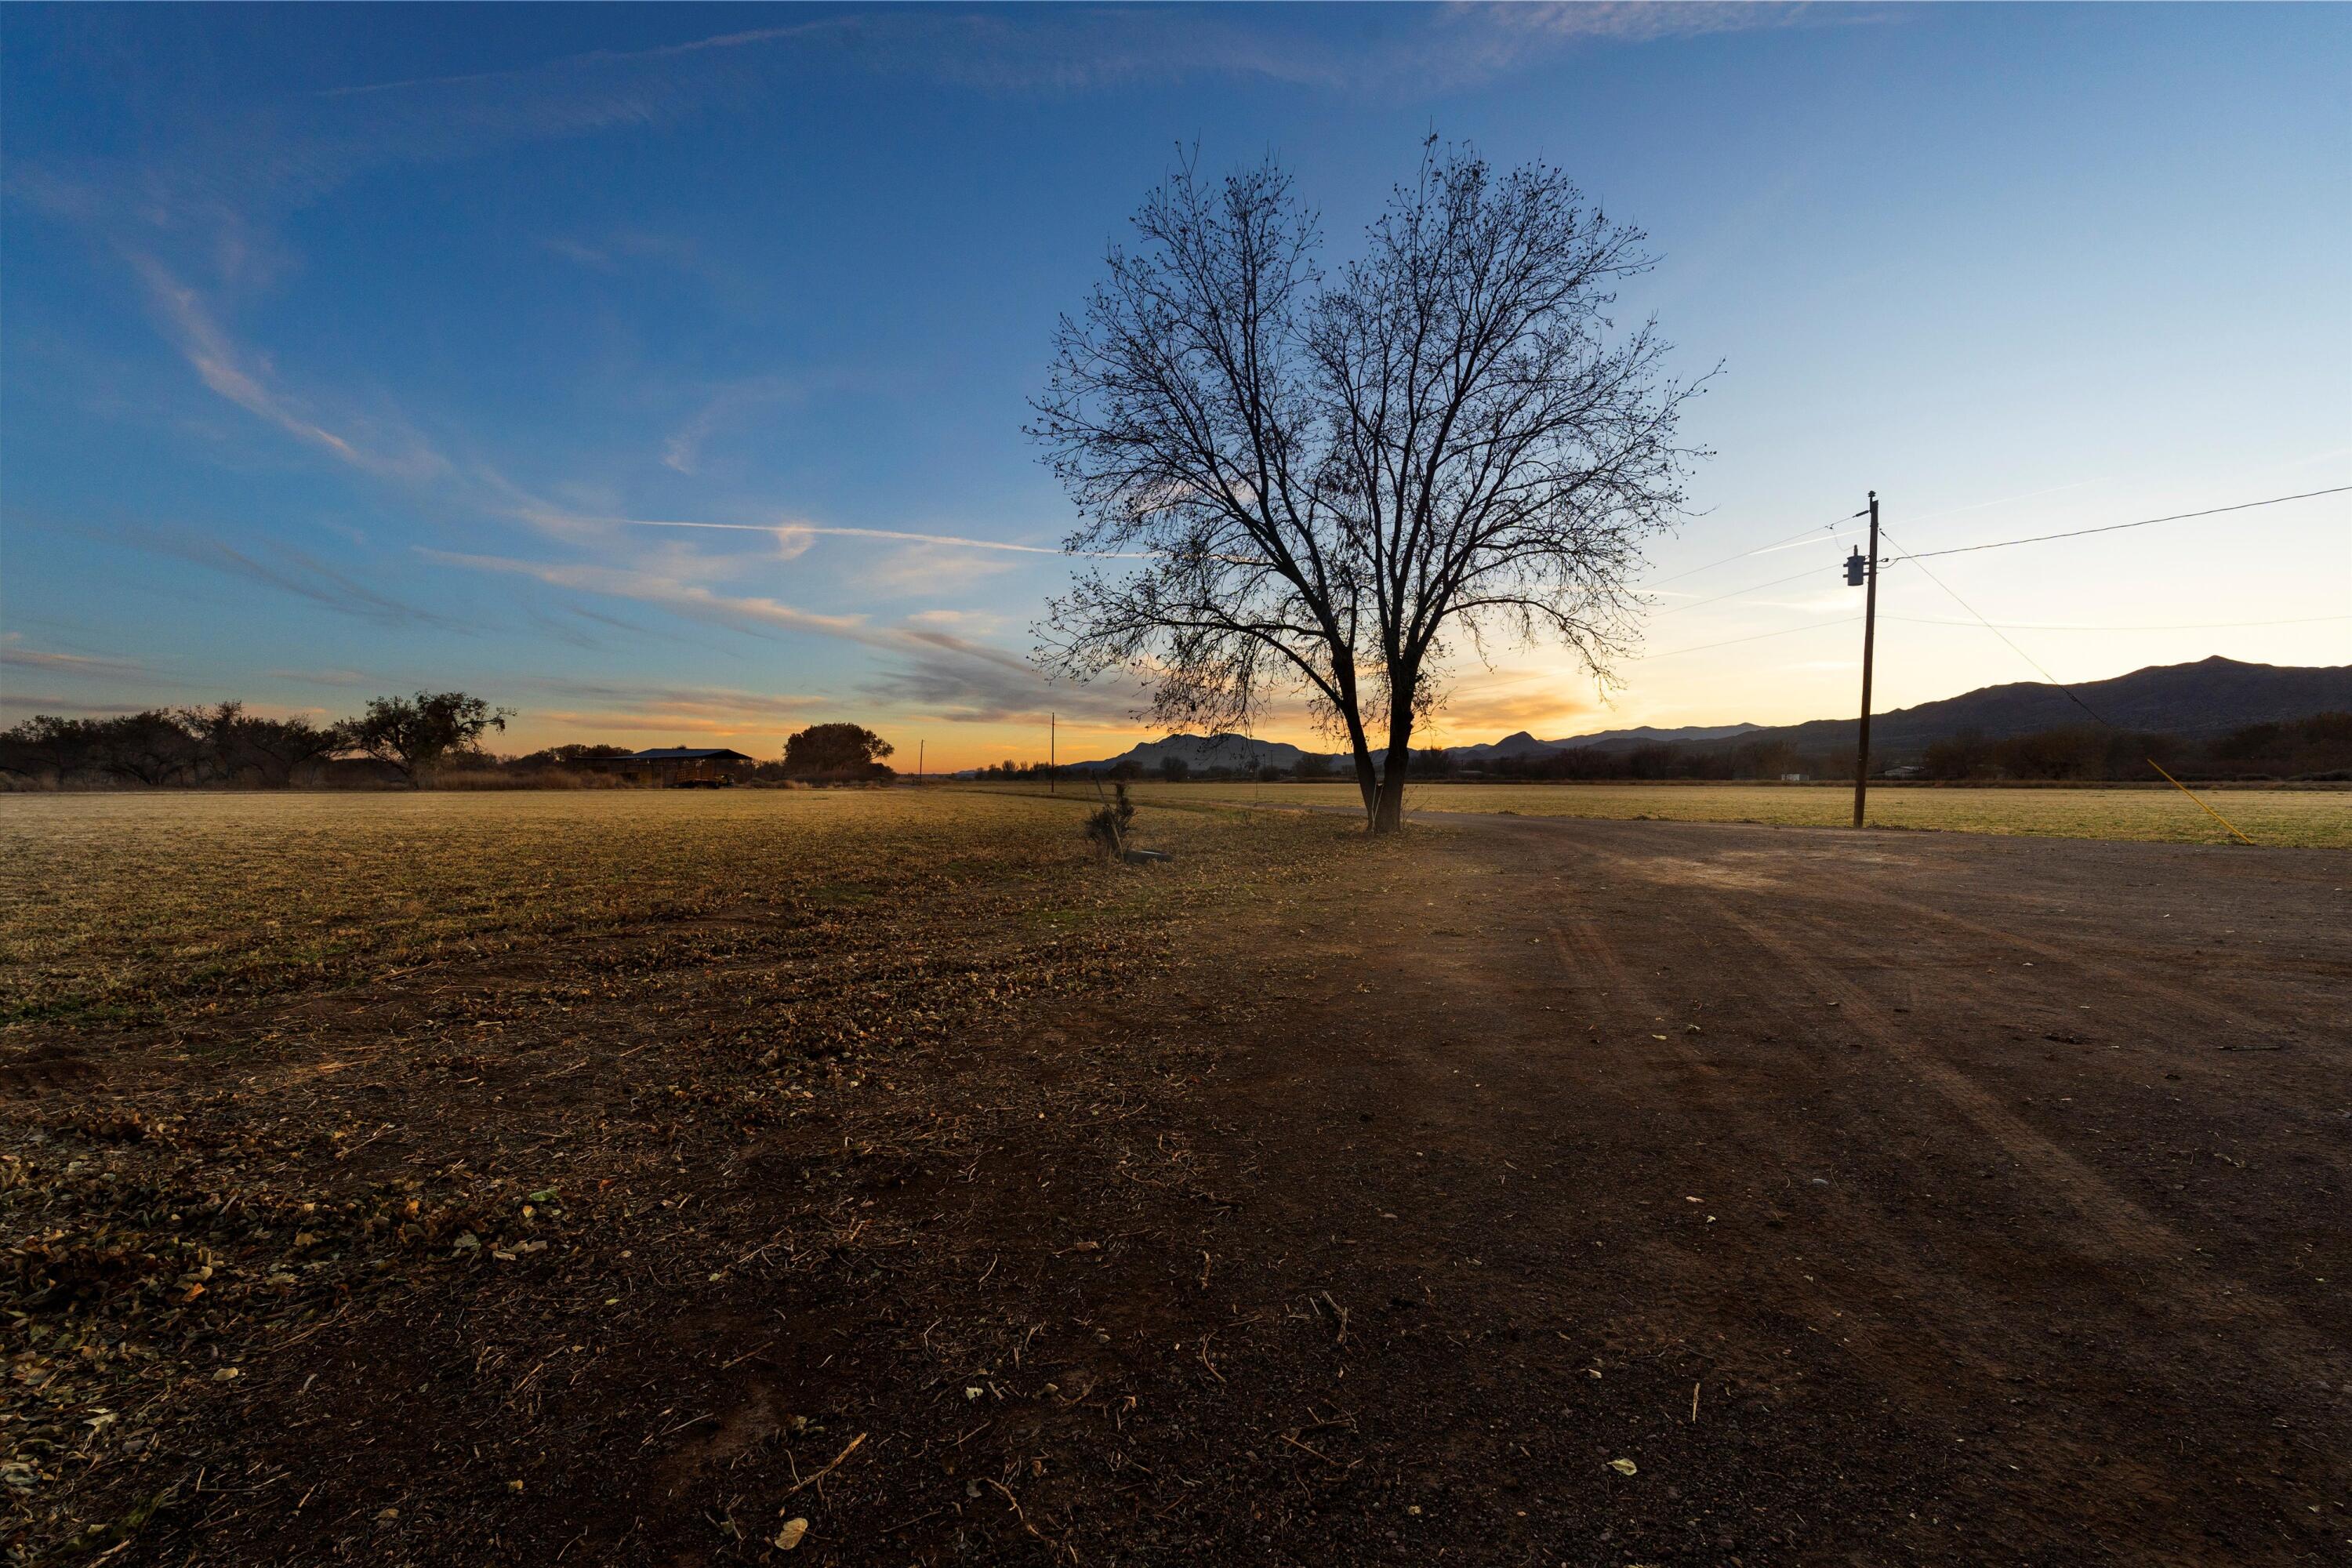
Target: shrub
[1106, 828]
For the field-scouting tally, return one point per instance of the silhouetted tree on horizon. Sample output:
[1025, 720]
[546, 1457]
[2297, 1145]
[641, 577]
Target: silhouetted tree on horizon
[835, 751]
[413, 734]
[1336, 485]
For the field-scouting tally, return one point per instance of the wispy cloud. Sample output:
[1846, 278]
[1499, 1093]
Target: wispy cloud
[1549, 702]
[16, 656]
[683, 450]
[1634, 22]
[25, 702]
[682, 595]
[610, 252]
[954, 677]
[291, 571]
[685, 709]
[952, 686]
[977, 623]
[1069, 49]
[246, 378]
[913, 570]
[790, 530]
[276, 156]
[568, 632]
[938, 669]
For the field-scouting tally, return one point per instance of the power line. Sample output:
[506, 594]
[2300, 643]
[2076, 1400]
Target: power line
[1759, 550]
[2185, 626]
[1784, 631]
[2004, 637]
[2117, 527]
[1736, 592]
[1830, 528]
[1863, 770]
[2000, 544]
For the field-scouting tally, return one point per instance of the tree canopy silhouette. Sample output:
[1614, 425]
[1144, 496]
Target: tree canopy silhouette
[415, 735]
[835, 751]
[1293, 483]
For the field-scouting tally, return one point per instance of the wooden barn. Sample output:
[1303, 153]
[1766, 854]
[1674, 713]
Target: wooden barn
[680, 767]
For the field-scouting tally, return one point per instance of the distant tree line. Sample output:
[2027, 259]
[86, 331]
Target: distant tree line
[1663, 759]
[1177, 770]
[407, 737]
[1172, 770]
[2316, 748]
[394, 740]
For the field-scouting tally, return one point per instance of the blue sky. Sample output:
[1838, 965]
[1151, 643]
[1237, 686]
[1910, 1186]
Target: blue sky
[348, 350]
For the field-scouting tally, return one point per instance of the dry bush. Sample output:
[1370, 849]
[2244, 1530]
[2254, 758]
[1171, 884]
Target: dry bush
[1107, 827]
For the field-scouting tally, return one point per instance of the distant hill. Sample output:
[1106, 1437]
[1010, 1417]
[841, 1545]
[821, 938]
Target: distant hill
[1644, 735]
[1201, 753]
[1525, 745]
[2206, 698]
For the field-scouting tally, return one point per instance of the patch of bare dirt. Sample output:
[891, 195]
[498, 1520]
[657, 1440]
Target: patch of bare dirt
[1532, 1192]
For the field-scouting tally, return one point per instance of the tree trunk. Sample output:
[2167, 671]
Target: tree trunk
[1368, 783]
[1387, 815]
[1360, 745]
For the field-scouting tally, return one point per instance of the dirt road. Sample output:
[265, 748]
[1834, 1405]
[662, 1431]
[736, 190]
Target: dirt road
[1986, 1201]
[1701, 1194]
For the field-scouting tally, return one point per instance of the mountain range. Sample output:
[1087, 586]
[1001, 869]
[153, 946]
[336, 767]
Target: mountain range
[2204, 698]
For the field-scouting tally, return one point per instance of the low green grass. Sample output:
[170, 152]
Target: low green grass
[2307, 818]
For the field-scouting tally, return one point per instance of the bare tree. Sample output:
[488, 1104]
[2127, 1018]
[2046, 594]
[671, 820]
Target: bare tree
[47, 746]
[414, 736]
[240, 744]
[1335, 486]
[153, 748]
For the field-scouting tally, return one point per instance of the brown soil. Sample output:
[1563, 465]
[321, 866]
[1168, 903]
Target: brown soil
[1532, 1192]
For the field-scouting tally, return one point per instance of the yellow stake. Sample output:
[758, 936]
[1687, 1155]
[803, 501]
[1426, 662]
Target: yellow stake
[2207, 809]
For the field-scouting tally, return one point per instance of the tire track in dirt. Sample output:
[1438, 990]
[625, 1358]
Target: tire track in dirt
[1868, 1310]
[2125, 1234]
[2150, 999]
[2168, 1004]
[1882, 1258]
[2276, 1367]
[2012, 1368]
[2133, 1000]
[1759, 1144]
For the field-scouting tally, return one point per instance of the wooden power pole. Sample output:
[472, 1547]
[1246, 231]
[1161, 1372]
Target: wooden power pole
[1869, 636]
[1053, 753]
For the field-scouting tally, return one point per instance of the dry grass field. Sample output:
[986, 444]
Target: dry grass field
[266, 1059]
[2291, 818]
[119, 906]
[873, 1176]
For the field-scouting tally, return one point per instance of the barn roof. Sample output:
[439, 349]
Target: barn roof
[691, 754]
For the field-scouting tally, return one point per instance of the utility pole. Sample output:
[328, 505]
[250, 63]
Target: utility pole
[1053, 753]
[918, 759]
[1869, 635]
